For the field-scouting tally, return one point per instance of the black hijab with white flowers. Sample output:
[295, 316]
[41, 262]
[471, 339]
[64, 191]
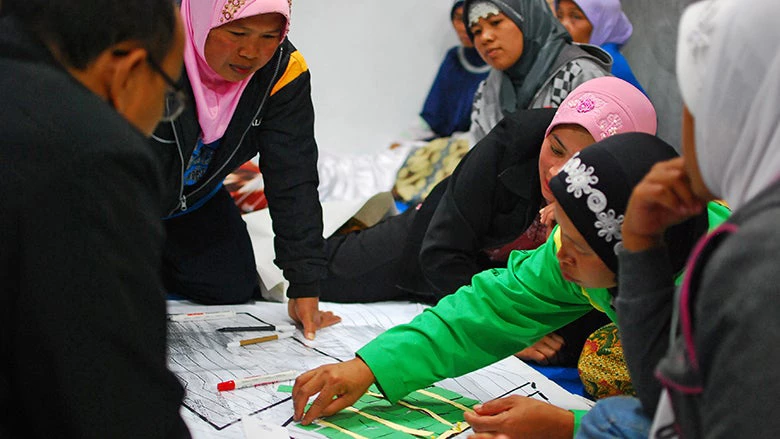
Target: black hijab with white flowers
[594, 186]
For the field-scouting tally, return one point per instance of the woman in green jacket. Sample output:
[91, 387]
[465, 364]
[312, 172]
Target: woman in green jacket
[505, 310]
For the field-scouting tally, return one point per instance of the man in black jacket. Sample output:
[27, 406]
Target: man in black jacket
[82, 315]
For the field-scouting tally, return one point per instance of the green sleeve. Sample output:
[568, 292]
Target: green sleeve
[578, 414]
[717, 213]
[502, 312]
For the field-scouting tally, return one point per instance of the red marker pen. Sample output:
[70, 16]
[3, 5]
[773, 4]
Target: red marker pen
[257, 380]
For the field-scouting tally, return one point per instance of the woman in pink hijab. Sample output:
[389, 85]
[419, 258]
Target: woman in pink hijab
[247, 91]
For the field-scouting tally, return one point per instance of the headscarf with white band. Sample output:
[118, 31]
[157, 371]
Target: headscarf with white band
[594, 186]
[543, 39]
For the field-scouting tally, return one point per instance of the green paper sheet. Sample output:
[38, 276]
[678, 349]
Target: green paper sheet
[398, 414]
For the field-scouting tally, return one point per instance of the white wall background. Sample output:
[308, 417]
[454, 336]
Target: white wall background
[372, 63]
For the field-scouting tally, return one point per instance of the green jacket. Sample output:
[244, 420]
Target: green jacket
[502, 312]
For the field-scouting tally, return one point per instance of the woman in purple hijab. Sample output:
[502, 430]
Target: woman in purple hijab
[601, 23]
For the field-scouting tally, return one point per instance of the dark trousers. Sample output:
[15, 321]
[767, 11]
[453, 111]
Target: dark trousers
[364, 266]
[208, 255]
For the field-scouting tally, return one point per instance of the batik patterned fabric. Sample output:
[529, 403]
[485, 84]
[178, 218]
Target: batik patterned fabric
[602, 368]
[427, 166]
[247, 188]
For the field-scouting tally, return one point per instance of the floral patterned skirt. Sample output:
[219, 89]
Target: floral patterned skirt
[602, 368]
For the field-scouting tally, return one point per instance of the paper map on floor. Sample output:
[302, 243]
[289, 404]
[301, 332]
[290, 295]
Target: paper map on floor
[199, 358]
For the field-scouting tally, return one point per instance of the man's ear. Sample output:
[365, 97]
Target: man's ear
[128, 71]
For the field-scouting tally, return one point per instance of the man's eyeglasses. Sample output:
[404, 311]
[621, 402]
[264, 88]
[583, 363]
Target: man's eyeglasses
[175, 99]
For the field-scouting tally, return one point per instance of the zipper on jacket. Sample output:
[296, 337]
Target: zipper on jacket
[182, 197]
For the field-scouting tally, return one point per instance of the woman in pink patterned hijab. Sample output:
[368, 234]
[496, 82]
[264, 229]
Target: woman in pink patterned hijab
[218, 82]
[601, 107]
[249, 95]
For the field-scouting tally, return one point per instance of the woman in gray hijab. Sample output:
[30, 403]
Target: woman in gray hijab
[535, 64]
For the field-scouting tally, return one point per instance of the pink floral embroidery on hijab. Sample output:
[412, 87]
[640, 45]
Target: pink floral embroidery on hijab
[230, 8]
[216, 99]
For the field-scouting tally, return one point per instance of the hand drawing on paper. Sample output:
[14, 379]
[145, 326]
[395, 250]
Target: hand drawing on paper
[431, 412]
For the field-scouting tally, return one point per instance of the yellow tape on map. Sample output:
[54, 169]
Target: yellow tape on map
[443, 399]
[322, 423]
[393, 425]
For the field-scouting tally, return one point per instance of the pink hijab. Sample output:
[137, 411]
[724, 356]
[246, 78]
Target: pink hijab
[606, 106]
[215, 98]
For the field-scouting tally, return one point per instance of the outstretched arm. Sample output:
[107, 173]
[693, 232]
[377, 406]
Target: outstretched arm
[288, 160]
[503, 311]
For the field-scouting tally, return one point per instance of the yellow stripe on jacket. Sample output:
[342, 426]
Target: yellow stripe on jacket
[295, 68]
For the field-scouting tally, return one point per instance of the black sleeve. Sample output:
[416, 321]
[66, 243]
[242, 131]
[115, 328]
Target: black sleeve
[448, 257]
[451, 248]
[644, 306]
[91, 335]
[288, 160]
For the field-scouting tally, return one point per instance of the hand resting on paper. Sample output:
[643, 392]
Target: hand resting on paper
[346, 381]
[306, 311]
[519, 417]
